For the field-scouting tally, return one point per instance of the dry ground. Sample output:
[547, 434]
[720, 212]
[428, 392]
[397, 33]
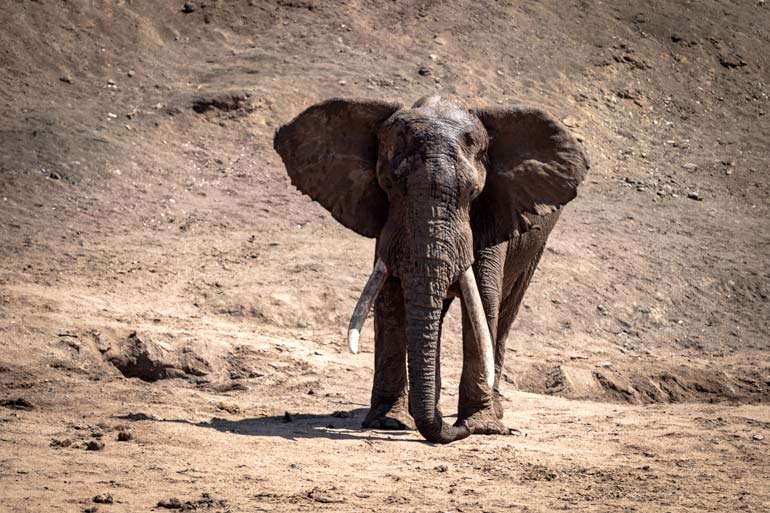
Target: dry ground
[139, 193]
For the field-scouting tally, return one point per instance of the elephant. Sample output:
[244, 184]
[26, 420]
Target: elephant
[460, 200]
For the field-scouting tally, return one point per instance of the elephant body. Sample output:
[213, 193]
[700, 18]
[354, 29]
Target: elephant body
[461, 201]
[503, 272]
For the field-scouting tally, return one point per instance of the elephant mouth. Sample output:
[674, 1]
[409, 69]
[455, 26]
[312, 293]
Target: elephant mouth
[465, 288]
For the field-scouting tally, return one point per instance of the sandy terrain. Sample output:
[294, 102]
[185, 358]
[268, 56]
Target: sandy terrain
[143, 212]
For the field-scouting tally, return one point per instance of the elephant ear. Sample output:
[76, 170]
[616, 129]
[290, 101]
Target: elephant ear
[330, 152]
[534, 166]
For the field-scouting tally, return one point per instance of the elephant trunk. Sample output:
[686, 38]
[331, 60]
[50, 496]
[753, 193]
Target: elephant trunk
[423, 296]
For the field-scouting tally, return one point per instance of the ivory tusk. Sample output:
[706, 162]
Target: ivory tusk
[475, 309]
[368, 295]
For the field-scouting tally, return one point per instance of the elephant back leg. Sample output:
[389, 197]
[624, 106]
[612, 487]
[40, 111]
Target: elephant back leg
[509, 309]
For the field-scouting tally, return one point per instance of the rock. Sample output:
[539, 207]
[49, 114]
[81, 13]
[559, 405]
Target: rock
[67, 79]
[228, 407]
[758, 437]
[694, 196]
[172, 503]
[424, 71]
[602, 309]
[125, 436]
[131, 73]
[94, 445]
[16, 404]
[732, 61]
[570, 122]
[66, 442]
[342, 82]
[188, 7]
[690, 166]
[104, 498]
[148, 360]
[341, 414]
[206, 502]
[439, 40]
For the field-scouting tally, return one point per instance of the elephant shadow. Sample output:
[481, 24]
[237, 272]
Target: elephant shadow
[340, 425]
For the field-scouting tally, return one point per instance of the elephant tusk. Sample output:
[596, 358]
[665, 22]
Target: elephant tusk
[472, 302]
[368, 295]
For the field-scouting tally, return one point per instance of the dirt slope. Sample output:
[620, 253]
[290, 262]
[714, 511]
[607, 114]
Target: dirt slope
[139, 193]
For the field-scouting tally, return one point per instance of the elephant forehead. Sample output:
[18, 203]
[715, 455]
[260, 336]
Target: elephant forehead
[434, 122]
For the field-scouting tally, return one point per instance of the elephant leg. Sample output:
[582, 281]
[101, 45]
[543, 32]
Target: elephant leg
[476, 403]
[444, 310]
[508, 312]
[390, 400]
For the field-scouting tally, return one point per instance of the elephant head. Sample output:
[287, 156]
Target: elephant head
[432, 183]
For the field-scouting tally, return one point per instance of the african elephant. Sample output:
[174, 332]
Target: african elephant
[461, 201]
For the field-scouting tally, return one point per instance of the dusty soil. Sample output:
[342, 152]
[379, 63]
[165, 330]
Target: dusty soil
[162, 283]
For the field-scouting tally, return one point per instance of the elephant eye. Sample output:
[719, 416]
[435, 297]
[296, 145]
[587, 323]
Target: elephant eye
[469, 140]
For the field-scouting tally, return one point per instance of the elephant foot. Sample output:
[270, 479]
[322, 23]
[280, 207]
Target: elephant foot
[484, 422]
[389, 416]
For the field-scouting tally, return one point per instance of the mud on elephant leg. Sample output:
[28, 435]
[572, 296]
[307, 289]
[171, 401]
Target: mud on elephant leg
[390, 400]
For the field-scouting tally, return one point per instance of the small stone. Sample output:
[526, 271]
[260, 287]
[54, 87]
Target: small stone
[104, 498]
[690, 166]
[188, 7]
[94, 445]
[66, 442]
[125, 436]
[439, 40]
[342, 82]
[694, 196]
[604, 365]
[297, 466]
[131, 73]
[228, 407]
[172, 503]
[441, 468]
[602, 309]
[758, 437]
[16, 404]
[341, 414]
[570, 122]
[424, 71]
[67, 79]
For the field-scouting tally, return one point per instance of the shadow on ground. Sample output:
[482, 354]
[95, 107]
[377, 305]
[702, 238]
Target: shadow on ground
[340, 425]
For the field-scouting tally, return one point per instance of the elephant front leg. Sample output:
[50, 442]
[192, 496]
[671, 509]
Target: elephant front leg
[479, 404]
[390, 400]
[476, 407]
